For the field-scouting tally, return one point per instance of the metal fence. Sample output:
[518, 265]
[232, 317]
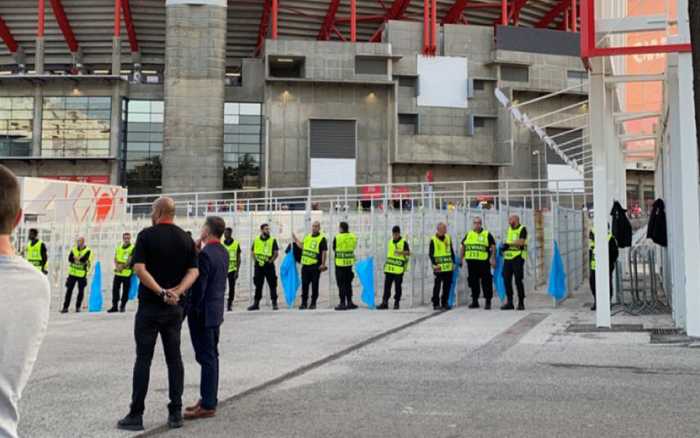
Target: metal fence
[371, 212]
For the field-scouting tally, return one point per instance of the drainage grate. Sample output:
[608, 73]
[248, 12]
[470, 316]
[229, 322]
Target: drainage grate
[666, 331]
[616, 328]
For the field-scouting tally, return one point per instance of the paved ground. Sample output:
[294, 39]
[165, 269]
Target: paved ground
[463, 373]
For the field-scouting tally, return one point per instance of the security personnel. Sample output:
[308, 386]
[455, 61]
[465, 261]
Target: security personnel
[613, 253]
[36, 252]
[265, 251]
[397, 254]
[78, 268]
[442, 257]
[479, 250]
[514, 256]
[344, 245]
[234, 263]
[122, 273]
[313, 262]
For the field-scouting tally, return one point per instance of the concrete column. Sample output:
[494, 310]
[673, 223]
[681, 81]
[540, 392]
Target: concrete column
[116, 56]
[195, 67]
[39, 56]
[38, 99]
[115, 139]
[598, 114]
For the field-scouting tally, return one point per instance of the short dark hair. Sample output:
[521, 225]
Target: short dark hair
[216, 225]
[263, 226]
[396, 229]
[9, 200]
[229, 229]
[33, 230]
[344, 226]
[126, 233]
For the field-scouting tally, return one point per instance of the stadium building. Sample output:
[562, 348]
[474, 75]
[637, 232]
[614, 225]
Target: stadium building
[197, 95]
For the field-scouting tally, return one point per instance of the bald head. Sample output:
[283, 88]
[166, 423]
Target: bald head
[163, 210]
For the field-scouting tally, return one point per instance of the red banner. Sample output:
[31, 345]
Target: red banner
[92, 179]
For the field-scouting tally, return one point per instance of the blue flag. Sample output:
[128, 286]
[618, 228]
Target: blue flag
[365, 272]
[453, 288]
[498, 283]
[557, 275]
[134, 288]
[95, 301]
[290, 278]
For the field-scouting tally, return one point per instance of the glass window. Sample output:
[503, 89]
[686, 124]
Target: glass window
[243, 136]
[515, 73]
[16, 123]
[143, 145]
[76, 126]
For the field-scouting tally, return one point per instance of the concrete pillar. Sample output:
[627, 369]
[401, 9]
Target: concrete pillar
[195, 67]
[39, 56]
[38, 99]
[116, 56]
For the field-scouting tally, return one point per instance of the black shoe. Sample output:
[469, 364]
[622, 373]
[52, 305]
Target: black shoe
[508, 306]
[254, 306]
[64, 310]
[396, 306]
[593, 307]
[341, 306]
[77, 310]
[229, 308]
[303, 306]
[383, 306]
[122, 309]
[351, 306]
[274, 306]
[487, 306]
[312, 306]
[446, 307]
[131, 422]
[175, 420]
[474, 304]
[521, 306]
[113, 310]
[437, 307]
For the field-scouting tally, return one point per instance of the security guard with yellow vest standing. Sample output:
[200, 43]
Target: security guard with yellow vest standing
[397, 254]
[122, 273]
[313, 262]
[234, 263]
[442, 257]
[479, 250]
[36, 252]
[78, 268]
[344, 245]
[265, 251]
[514, 256]
[613, 254]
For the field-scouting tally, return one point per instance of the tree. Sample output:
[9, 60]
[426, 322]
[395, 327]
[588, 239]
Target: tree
[234, 176]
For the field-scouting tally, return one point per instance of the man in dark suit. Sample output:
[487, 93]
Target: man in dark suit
[206, 313]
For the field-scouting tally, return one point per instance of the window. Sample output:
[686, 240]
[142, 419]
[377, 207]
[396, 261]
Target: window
[479, 85]
[243, 135]
[16, 122]
[370, 66]
[143, 145]
[408, 124]
[479, 122]
[286, 67]
[577, 75]
[76, 127]
[515, 73]
[407, 81]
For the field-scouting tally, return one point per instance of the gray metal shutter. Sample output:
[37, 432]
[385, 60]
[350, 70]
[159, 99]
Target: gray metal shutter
[332, 139]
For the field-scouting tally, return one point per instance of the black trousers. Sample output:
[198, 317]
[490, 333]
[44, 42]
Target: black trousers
[232, 277]
[153, 320]
[205, 341]
[71, 281]
[260, 275]
[310, 276]
[514, 268]
[443, 280]
[397, 280]
[480, 278]
[123, 283]
[591, 282]
[344, 277]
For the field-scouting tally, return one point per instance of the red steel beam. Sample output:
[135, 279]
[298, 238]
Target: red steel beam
[361, 19]
[327, 26]
[553, 13]
[574, 17]
[426, 27]
[130, 29]
[433, 28]
[515, 11]
[41, 20]
[65, 26]
[353, 20]
[262, 28]
[398, 8]
[117, 18]
[274, 10]
[6, 36]
[454, 14]
[504, 12]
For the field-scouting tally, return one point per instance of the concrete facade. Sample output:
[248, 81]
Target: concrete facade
[195, 66]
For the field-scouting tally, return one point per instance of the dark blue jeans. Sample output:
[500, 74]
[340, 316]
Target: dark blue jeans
[205, 341]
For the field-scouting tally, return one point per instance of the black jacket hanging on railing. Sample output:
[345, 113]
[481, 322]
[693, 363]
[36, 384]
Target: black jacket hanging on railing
[621, 227]
[656, 230]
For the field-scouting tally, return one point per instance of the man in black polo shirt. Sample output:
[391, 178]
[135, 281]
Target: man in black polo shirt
[166, 263]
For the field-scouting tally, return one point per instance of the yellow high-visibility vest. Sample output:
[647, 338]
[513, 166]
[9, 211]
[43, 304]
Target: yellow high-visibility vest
[512, 252]
[345, 244]
[442, 253]
[395, 264]
[592, 245]
[311, 249]
[122, 255]
[262, 250]
[232, 254]
[476, 245]
[76, 268]
[33, 255]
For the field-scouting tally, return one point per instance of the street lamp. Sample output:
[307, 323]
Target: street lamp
[539, 177]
